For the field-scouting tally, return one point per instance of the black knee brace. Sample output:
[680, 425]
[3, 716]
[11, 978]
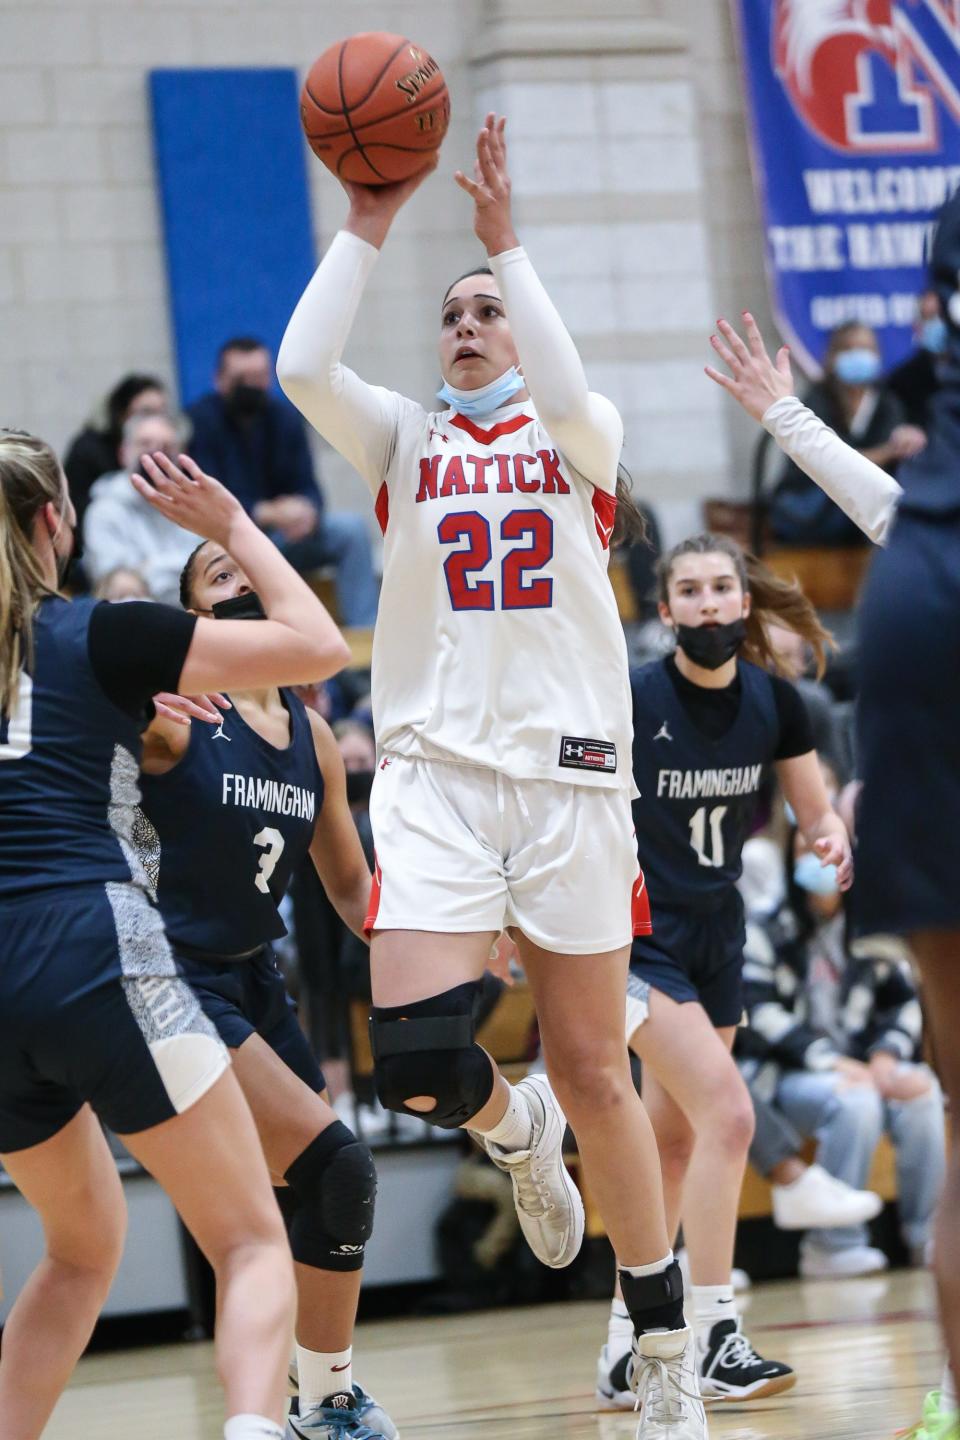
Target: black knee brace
[334, 1185]
[427, 1048]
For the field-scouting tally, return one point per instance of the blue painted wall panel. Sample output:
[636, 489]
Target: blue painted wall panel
[233, 189]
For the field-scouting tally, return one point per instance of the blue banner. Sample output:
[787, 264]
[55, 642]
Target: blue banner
[854, 111]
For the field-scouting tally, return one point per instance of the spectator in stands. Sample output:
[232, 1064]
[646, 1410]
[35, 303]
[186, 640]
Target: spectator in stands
[359, 753]
[122, 583]
[794, 659]
[96, 450]
[916, 380]
[868, 416]
[832, 1041]
[255, 443]
[121, 528]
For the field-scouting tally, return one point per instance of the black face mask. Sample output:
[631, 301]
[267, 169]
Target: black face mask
[711, 646]
[239, 607]
[359, 785]
[245, 401]
[66, 563]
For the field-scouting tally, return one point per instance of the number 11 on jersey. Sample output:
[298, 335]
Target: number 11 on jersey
[698, 835]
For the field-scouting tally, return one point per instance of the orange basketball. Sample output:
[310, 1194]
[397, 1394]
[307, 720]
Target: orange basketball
[374, 107]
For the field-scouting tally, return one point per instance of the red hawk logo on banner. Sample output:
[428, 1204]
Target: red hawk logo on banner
[851, 67]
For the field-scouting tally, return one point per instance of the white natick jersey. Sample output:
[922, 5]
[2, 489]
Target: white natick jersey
[498, 640]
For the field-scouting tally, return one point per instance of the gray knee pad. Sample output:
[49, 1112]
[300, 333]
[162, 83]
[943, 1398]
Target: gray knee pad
[335, 1185]
[427, 1048]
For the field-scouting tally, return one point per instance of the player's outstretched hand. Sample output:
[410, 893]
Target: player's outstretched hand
[184, 708]
[755, 381]
[183, 493]
[490, 188]
[835, 850]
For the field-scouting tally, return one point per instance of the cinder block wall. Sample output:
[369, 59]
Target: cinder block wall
[633, 197]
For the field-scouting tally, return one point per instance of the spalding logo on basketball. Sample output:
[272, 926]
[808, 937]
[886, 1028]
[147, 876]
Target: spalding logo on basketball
[374, 107]
[865, 75]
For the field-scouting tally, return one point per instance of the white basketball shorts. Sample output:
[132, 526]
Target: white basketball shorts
[462, 848]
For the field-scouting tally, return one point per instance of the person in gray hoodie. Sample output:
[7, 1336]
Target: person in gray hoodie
[121, 528]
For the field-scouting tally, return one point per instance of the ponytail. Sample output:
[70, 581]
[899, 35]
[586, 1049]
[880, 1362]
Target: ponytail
[774, 602]
[30, 477]
[630, 524]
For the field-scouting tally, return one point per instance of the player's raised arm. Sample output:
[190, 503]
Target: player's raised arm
[358, 420]
[297, 643]
[586, 427]
[765, 389]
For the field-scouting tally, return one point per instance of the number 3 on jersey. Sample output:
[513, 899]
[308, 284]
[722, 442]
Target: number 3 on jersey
[272, 843]
[520, 589]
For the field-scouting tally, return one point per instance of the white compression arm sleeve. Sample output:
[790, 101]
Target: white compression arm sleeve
[585, 427]
[864, 492]
[359, 420]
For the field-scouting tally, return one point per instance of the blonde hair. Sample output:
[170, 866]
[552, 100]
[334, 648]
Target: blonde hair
[30, 477]
[774, 602]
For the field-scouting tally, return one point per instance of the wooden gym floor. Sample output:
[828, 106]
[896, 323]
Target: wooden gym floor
[865, 1350]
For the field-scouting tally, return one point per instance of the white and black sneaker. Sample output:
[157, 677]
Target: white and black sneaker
[730, 1368]
[548, 1203]
[665, 1386]
[613, 1381]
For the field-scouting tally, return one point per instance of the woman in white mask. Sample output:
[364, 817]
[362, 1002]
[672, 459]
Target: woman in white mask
[852, 399]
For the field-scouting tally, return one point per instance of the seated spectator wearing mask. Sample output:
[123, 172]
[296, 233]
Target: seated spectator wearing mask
[917, 379]
[122, 529]
[95, 451]
[256, 445]
[832, 1040]
[853, 402]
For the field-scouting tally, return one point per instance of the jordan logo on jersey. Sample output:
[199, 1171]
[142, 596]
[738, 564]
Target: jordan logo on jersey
[219, 735]
[663, 733]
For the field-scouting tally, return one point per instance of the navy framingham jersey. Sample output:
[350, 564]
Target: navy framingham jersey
[700, 757]
[70, 751]
[226, 828]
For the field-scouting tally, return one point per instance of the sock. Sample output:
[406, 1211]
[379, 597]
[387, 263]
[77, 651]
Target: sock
[251, 1427]
[948, 1392]
[515, 1130]
[619, 1329]
[653, 1294]
[710, 1304]
[323, 1373]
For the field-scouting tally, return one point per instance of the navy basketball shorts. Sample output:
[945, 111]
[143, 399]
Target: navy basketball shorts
[908, 724]
[92, 1010]
[692, 957]
[249, 997]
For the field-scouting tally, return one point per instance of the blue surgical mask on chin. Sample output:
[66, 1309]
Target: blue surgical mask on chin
[857, 367]
[474, 403]
[933, 335]
[813, 877]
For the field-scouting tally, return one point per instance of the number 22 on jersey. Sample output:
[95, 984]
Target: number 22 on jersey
[520, 588]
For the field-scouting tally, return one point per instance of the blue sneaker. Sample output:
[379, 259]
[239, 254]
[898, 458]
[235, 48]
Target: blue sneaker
[343, 1416]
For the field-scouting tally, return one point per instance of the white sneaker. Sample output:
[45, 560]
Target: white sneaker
[819, 1264]
[548, 1203]
[613, 1380]
[666, 1386]
[818, 1201]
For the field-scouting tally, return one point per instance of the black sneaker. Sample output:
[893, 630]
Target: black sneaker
[730, 1368]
